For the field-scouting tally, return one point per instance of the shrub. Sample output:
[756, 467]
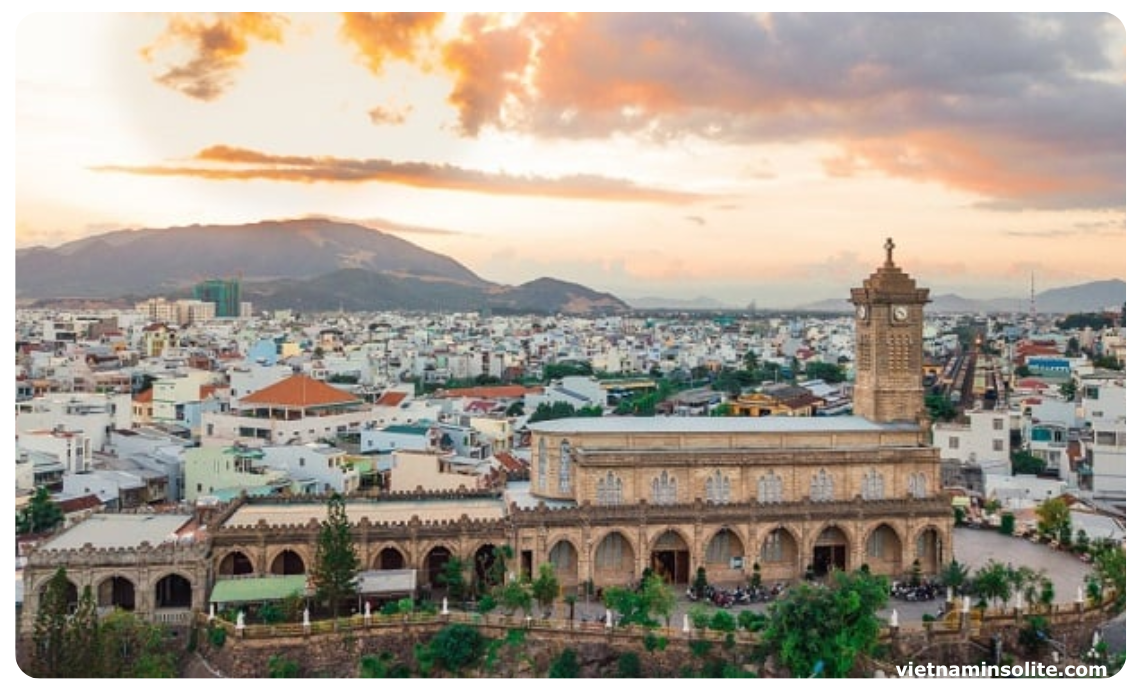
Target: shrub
[628, 665]
[565, 666]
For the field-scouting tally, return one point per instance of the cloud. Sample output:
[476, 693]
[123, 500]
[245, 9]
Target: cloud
[1029, 107]
[382, 115]
[1108, 229]
[222, 162]
[488, 63]
[216, 48]
[382, 36]
[390, 226]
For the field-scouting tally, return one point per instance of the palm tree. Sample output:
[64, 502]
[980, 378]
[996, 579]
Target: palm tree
[993, 582]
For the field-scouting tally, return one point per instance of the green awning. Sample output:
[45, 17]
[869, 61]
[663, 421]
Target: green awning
[257, 589]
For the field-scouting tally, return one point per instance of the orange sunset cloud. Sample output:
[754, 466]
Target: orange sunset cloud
[217, 48]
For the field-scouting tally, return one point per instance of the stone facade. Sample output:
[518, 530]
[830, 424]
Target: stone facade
[888, 345]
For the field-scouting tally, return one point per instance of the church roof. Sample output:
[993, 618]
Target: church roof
[300, 391]
[716, 425]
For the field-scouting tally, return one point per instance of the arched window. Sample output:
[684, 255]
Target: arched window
[917, 485]
[876, 542]
[542, 465]
[873, 487]
[663, 489]
[720, 548]
[564, 467]
[822, 486]
[609, 490]
[771, 489]
[717, 489]
[773, 548]
[562, 556]
[611, 551]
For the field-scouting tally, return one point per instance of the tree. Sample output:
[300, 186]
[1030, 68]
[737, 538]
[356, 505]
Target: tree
[1025, 463]
[1068, 390]
[545, 588]
[281, 667]
[50, 631]
[132, 648]
[1052, 517]
[701, 582]
[819, 629]
[337, 567]
[82, 639]
[1109, 567]
[453, 577]
[992, 581]
[659, 598]
[40, 515]
[939, 407]
[955, 575]
[455, 647]
[830, 373]
[515, 596]
[565, 666]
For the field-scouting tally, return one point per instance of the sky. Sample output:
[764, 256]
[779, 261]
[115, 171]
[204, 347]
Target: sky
[740, 157]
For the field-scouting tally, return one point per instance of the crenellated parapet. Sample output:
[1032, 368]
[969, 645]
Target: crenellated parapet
[170, 553]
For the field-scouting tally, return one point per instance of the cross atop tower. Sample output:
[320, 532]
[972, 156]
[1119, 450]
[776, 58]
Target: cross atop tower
[890, 246]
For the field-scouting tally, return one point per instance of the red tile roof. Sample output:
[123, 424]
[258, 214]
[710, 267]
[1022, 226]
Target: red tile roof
[300, 391]
[145, 396]
[391, 399]
[490, 392]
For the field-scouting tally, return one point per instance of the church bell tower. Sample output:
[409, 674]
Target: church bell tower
[888, 345]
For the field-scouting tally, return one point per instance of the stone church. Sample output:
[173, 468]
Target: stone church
[610, 497]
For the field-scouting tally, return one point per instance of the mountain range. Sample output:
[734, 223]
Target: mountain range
[305, 265]
[321, 265]
[1087, 297]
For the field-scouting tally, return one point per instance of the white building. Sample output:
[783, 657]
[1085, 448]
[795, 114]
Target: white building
[982, 440]
[93, 414]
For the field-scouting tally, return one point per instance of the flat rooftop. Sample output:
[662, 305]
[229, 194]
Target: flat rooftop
[114, 531]
[715, 425]
[397, 511]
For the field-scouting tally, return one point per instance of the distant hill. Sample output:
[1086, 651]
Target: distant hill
[1088, 297]
[657, 302]
[307, 265]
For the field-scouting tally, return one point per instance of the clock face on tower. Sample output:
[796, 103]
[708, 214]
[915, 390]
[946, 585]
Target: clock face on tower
[900, 313]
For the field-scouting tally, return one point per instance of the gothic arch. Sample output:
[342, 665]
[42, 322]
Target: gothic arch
[614, 559]
[173, 590]
[779, 554]
[287, 562]
[831, 549]
[433, 560]
[926, 545]
[670, 555]
[116, 590]
[235, 562]
[389, 558]
[721, 546]
[563, 557]
[883, 549]
[72, 592]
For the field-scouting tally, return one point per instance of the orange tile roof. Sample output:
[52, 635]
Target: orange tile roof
[145, 396]
[391, 399]
[490, 392]
[300, 391]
